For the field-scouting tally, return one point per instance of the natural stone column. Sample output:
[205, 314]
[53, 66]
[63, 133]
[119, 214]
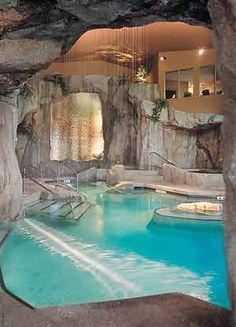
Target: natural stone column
[10, 177]
[223, 14]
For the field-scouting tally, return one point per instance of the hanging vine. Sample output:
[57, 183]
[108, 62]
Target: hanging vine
[160, 104]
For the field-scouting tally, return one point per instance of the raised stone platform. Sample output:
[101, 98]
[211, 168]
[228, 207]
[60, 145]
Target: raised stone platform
[193, 178]
[172, 213]
[191, 191]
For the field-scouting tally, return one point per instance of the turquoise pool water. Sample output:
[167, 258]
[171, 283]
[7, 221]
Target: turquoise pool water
[116, 251]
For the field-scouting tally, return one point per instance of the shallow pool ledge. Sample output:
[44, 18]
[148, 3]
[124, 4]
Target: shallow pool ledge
[167, 310]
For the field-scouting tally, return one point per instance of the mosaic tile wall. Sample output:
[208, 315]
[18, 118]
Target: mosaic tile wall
[76, 127]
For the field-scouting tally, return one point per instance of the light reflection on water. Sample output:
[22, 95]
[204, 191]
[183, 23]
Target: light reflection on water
[119, 236]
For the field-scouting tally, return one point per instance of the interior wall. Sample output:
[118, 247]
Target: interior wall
[100, 67]
[211, 104]
[177, 60]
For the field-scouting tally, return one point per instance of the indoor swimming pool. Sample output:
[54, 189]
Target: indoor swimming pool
[115, 251]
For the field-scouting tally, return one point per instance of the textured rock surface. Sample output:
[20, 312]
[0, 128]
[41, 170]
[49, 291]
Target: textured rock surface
[186, 139]
[115, 175]
[128, 134]
[178, 176]
[224, 21]
[185, 120]
[51, 28]
[10, 178]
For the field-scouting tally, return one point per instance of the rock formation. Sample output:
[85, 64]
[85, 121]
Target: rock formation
[35, 33]
[130, 135]
[223, 14]
[10, 177]
[115, 175]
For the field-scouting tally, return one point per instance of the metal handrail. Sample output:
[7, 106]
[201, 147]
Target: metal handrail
[69, 187]
[73, 171]
[163, 158]
[46, 188]
[49, 168]
[54, 193]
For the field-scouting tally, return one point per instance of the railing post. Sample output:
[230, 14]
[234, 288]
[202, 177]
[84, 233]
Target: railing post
[58, 172]
[77, 181]
[23, 181]
[41, 171]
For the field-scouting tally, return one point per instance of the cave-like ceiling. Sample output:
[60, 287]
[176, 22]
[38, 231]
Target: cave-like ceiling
[35, 33]
[127, 46]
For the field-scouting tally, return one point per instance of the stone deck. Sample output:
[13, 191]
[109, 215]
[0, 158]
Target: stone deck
[168, 310]
[184, 190]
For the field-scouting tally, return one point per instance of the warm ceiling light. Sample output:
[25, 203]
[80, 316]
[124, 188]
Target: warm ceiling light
[201, 52]
[162, 58]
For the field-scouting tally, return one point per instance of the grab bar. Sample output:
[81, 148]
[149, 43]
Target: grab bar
[163, 158]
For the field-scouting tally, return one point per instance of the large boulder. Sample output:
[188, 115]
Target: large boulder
[115, 175]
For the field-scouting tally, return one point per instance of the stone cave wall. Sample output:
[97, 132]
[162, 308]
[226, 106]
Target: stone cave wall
[130, 135]
[179, 145]
[119, 111]
[186, 139]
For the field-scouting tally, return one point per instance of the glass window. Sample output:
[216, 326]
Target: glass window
[171, 84]
[186, 82]
[207, 80]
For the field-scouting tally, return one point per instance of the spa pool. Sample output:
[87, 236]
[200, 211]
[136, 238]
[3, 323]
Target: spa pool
[115, 251]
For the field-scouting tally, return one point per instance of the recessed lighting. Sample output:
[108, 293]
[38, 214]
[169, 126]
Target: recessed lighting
[162, 58]
[201, 52]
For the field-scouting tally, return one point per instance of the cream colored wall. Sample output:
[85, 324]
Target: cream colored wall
[89, 68]
[176, 60]
[213, 104]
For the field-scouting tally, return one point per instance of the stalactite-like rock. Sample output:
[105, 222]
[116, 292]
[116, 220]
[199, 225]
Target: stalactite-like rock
[35, 33]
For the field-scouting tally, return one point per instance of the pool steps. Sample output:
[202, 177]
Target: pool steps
[67, 208]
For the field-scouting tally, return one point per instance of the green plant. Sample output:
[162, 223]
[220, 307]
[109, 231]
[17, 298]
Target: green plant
[141, 75]
[58, 79]
[160, 104]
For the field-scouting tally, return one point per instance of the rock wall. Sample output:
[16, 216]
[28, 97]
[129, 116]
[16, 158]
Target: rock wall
[188, 140]
[223, 14]
[10, 177]
[130, 135]
[35, 33]
[120, 102]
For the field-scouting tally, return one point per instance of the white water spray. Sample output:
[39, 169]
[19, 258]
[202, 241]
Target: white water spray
[83, 257]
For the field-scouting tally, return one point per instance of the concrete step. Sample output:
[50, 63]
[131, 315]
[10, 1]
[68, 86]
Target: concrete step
[142, 176]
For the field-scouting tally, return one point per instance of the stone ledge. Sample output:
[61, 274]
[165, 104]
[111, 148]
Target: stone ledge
[167, 310]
